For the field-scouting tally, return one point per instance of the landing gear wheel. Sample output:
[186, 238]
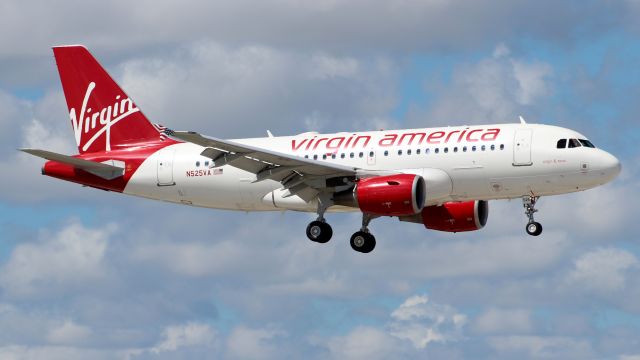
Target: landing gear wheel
[363, 242]
[534, 228]
[319, 231]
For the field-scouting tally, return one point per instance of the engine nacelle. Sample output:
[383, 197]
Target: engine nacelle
[456, 216]
[392, 195]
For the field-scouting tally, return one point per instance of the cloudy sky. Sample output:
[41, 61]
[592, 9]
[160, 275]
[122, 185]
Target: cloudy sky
[89, 274]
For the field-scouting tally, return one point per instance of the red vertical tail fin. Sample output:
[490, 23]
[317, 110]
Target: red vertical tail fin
[103, 116]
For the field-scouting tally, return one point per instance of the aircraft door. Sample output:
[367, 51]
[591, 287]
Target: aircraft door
[371, 157]
[522, 147]
[165, 167]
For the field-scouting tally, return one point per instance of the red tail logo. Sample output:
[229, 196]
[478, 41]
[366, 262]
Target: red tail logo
[106, 117]
[96, 104]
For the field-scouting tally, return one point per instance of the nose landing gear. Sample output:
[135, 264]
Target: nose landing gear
[533, 227]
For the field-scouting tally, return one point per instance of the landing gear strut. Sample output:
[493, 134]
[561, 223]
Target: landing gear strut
[529, 202]
[362, 241]
[319, 230]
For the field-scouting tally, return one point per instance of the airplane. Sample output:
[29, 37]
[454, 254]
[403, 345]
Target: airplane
[440, 177]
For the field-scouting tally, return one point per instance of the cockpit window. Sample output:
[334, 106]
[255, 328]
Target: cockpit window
[574, 143]
[562, 143]
[586, 143]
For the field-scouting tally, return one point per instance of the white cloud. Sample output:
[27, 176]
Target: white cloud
[13, 113]
[363, 343]
[38, 136]
[589, 220]
[602, 270]
[503, 321]
[73, 256]
[421, 321]
[410, 330]
[68, 333]
[325, 66]
[399, 26]
[541, 347]
[249, 343]
[190, 334]
[19, 352]
[495, 89]
[532, 81]
[227, 91]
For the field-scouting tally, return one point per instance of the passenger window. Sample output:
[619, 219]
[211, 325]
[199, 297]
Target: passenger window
[426, 151]
[306, 156]
[562, 143]
[501, 146]
[473, 148]
[315, 157]
[351, 155]
[417, 151]
[446, 150]
[464, 149]
[324, 156]
[206, 163]
[409, 152]
[437, 150]
[455, 149]
[483, 147]
[370, 153]
[361, 154]
[386, 153]
[574, 143]
[399, 152]
[493, 147]
[197, 163]
[333, 156]
[586, 143]
[342, 156]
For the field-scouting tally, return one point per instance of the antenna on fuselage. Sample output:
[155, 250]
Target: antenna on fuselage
[522, 120]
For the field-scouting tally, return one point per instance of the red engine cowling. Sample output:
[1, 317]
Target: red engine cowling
[456, 216]
[393, 195]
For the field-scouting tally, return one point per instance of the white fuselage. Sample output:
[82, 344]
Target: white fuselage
[458, 163]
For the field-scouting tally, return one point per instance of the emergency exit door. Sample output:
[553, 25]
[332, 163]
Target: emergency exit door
[165, 167]
[522, 147]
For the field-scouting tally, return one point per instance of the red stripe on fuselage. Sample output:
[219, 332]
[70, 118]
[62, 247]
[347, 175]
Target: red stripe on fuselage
[132, 157]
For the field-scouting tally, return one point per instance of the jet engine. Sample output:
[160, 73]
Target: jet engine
[392, 195]
[456, 216]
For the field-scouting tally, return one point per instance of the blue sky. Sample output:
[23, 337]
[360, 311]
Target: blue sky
[90, 274]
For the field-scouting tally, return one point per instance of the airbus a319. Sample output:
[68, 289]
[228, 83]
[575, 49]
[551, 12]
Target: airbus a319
[442, 178]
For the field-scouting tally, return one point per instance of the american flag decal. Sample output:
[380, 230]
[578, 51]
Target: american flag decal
[162, 130]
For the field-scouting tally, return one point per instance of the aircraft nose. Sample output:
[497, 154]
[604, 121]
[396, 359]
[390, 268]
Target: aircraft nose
[609, 165]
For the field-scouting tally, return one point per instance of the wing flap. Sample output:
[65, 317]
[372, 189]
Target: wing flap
[262, 157]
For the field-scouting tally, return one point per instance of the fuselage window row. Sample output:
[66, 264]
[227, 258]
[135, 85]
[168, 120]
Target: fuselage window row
[408, 152]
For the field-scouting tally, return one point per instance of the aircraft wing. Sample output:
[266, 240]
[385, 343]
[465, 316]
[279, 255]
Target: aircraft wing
[105, 171]
[296, 173]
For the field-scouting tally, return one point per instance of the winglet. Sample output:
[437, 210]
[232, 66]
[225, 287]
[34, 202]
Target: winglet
[522, 120]
[269, 133]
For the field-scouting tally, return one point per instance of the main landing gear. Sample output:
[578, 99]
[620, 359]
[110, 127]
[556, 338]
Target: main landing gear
[529, 202]
[320, 231]
[362, 241]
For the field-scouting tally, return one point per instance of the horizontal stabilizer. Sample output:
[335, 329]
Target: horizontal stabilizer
[102, 170]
